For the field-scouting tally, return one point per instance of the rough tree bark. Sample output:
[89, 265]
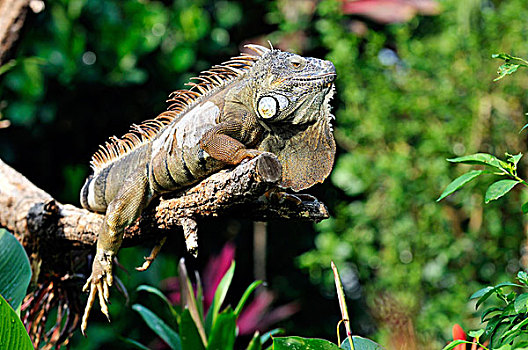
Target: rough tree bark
[12, 16]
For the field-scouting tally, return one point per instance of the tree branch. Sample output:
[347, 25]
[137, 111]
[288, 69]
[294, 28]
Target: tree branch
[31, 213]
[12, 16]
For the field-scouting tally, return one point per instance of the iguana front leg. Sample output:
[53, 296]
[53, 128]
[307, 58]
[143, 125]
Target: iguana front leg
[223, 141]
[123, 210]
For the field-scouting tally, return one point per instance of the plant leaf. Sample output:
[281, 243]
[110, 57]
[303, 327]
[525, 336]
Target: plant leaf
[134, 343]
[521, 303]
[480, 292]
[219, 297]
[264, 338]
[13, 335]
[476, 334]
[361, 343]
[524, 208]
[159, 327]
[477, 158]
[459, 182]
[245, 296]
[15, 270]
[298, 343]
[514, 158]
[188, 300]
[499, 189]
[255, 343]
[157, 292]
[223, 333]
[454, 343]
[189, 335]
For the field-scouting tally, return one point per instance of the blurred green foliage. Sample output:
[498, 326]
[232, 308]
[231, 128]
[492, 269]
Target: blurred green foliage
[409, 96]
[412, 95]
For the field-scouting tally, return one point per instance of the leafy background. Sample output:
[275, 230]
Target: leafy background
[410, 95]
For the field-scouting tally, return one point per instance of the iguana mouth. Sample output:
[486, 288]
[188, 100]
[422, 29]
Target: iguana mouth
[321, 79]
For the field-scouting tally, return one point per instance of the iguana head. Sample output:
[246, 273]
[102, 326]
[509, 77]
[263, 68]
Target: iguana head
[291, 97]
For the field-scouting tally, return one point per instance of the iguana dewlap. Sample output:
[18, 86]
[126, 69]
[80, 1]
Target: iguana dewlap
[271, 101]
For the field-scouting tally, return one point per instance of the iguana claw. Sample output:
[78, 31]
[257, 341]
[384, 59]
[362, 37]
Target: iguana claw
[99, 284]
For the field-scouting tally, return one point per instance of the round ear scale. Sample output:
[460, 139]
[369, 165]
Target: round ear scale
[267, 107]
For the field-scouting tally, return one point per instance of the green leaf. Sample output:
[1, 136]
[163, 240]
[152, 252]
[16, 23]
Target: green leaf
[480, 292]
[134, 343]
[477, 158]
[188, 300]
[476, 334]
[157, 292]
[522, 276]
[524, 208]
[189, 335]
[298, 343]
[255, 343]
[521, 303]
[488, 312]
[245, 296]
[454, 343]
[506, 69]
[514, 158]
[361, 343]
[459, 182]
[13, 335]
[499, 189]
[223, 333]
[15, 271]
[219, 297]
[159, 327]
[264, 338]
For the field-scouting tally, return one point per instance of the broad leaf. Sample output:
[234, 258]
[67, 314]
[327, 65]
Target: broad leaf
[524, 208]
[459, 182]
[13, 335]
[220, 294]
[189, 335]
[159, 327]
[480, 292]
[521, 303]
[477, 158]
[499, 189]
[361, 343]
[298, 343]
[15, 271]
[223, 333]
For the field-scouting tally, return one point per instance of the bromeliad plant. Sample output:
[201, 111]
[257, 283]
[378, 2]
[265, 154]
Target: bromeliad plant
[218, 329]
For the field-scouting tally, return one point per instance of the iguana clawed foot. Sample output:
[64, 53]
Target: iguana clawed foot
[281, 196]
[99, 284]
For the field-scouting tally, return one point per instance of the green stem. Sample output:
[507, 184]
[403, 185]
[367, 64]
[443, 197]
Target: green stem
[342, 305]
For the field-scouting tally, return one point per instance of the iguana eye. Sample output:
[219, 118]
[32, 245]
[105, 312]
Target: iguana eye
[297, 62]
[267, 107]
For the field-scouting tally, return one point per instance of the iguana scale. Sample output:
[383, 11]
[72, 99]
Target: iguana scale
[269, 101]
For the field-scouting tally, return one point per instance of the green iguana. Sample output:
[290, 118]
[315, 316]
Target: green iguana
[269, 101]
